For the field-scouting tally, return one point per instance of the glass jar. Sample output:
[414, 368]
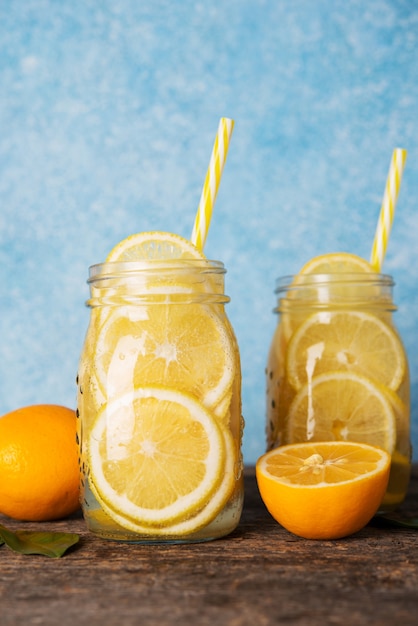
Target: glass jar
[337, 369]
[159, 404]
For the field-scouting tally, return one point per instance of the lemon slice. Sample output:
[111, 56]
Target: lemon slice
[401, 411]
[336, 262]
[323, 490]
[319, 281]
[197, 520]
[348, 341]
[156, 456]
[182, 347]
[222, 410]
[153, 245]
[154, 267]
[152, 252]
[342, 406]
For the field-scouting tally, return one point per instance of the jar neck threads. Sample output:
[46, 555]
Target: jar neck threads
[340, 290]
[172, 281]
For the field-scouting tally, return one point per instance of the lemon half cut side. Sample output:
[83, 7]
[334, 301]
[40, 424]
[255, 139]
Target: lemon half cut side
[323, 490]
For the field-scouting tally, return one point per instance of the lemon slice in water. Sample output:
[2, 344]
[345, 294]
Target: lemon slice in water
[349, 341]
[156, 456]
[194, 520]
[342, 406]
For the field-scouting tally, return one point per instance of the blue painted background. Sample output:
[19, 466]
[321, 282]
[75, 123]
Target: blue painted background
[108, 113]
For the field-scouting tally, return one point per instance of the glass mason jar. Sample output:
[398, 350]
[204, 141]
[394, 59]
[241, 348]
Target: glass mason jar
[159, 404]
[337, 369]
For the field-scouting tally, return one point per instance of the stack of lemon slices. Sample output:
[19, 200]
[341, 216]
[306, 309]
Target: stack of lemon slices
[342, 373]
[161, 457]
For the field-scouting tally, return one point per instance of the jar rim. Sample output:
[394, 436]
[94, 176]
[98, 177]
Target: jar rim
[129, 268]
[300, 281]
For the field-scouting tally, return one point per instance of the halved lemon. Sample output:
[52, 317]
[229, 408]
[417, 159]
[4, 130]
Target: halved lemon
[323, 490]
[345, 341]
[182, 347]
[342, 406]
[156, 456]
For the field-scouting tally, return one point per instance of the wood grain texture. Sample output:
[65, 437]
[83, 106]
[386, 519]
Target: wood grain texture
[259, 575]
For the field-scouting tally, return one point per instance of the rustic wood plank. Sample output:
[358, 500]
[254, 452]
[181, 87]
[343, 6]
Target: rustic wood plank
[259, 575]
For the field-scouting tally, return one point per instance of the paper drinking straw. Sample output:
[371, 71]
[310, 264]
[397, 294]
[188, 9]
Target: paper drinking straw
[387, 211]
[211, 184]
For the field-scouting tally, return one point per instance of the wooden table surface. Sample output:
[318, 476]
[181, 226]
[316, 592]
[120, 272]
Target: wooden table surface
[259, 575]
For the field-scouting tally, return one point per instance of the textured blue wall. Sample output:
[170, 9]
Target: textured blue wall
[108, 113]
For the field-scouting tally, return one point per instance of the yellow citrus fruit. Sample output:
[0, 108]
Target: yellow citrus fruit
[182, 347]
[401, 412]
[150, 266]
[323, 279]
[153, 245]
[336, 262]
[342, 406]
[156, 456]
[325, 490]
[353, 341]
[39, 473]
[198, 518]
[185, 347]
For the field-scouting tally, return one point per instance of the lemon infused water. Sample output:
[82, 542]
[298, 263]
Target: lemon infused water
[337, 368]
[159, 403]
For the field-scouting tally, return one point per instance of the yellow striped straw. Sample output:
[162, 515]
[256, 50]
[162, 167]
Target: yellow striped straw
[387, 211]
[212, 181]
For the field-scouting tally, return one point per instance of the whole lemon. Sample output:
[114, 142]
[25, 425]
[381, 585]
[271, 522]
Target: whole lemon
[39, 473]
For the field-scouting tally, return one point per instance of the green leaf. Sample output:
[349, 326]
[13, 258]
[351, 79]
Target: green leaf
[397, 521]
[45, 543]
